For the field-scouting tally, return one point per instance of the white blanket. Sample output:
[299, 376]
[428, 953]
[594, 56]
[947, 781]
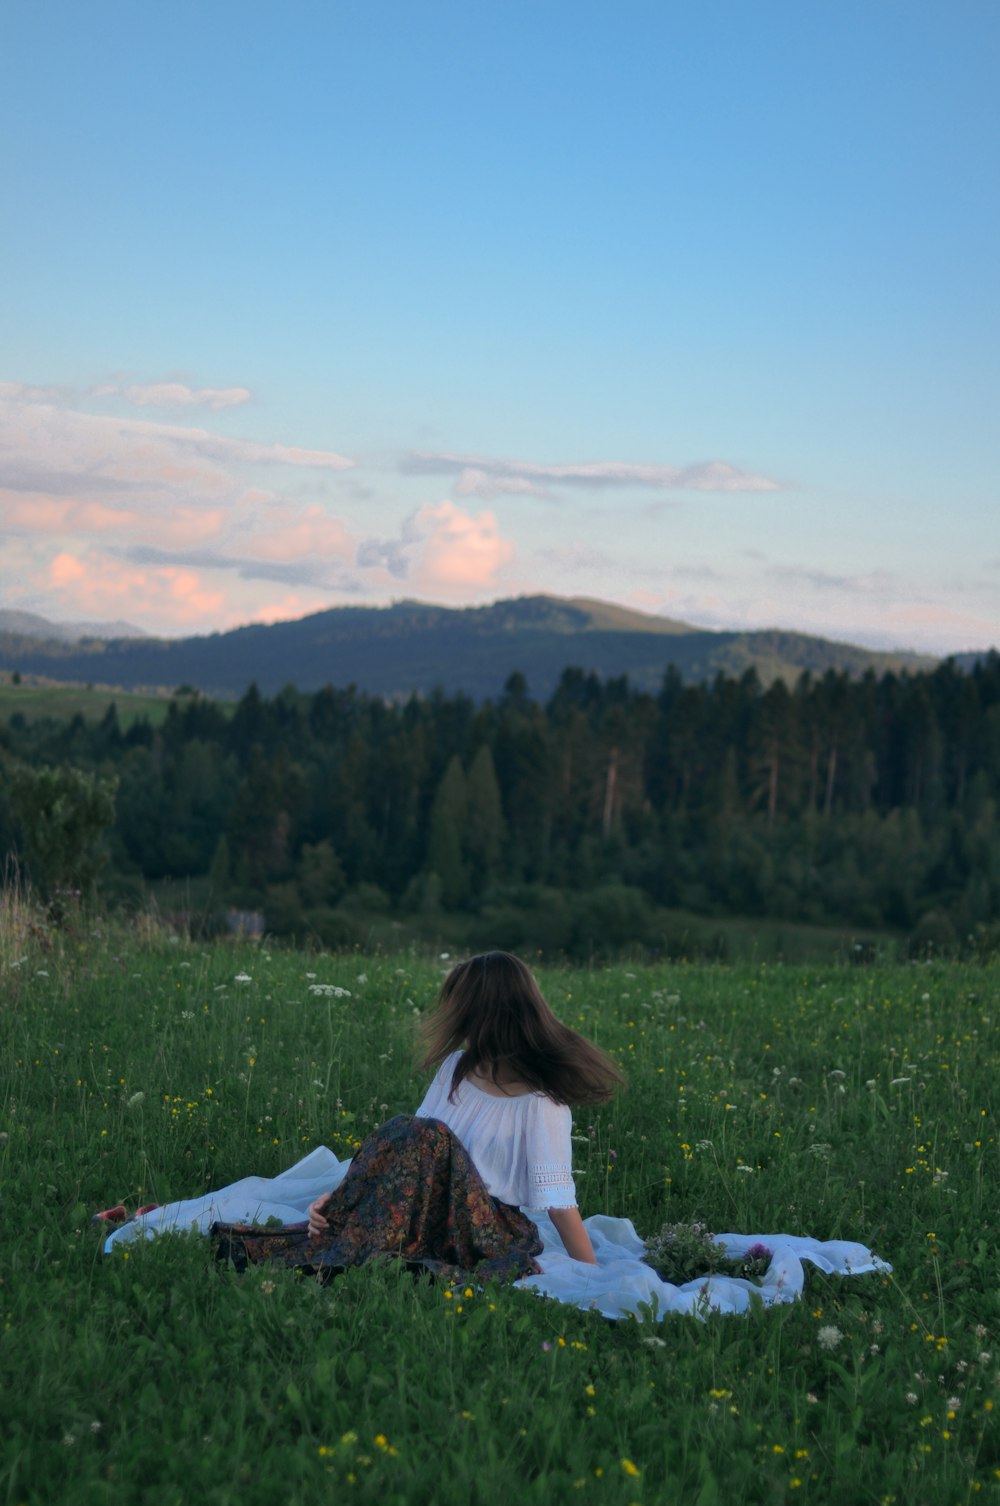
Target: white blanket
[620, 1282]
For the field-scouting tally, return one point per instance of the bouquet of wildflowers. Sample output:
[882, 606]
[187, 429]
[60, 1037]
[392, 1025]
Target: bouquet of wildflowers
[683, 1252]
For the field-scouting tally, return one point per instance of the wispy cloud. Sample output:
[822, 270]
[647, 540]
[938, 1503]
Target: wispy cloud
[489, 477]
[177, 395]
[871, 583]
[63, 451]
[325, 574]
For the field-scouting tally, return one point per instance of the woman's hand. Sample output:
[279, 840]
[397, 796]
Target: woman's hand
[318, 1225]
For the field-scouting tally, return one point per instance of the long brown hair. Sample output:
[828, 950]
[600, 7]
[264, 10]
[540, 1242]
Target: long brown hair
[492, 1008]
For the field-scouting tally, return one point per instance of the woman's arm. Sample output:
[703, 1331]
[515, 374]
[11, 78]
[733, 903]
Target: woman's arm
[569, 1227]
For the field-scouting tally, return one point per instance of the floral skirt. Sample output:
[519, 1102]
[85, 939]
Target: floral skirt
[412, 1193]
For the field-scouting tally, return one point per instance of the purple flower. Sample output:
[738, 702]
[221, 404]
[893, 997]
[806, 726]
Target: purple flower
[758, 1252]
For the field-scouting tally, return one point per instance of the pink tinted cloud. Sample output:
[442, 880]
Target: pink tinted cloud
[289, 609]
[95, 586]
[310, 534]
[32, 513]
[66, 570]
[458, 551]
[27, 512]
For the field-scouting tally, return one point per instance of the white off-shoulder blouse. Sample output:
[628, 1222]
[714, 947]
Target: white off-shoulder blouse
[519, 1145]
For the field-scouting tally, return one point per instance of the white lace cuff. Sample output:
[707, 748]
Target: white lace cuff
[551, 1187]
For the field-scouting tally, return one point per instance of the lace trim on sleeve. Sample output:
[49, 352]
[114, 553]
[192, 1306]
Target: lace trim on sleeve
[551, 1186]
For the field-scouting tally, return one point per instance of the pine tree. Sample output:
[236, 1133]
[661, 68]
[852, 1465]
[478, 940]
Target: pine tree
[444, 839]
[484, 822]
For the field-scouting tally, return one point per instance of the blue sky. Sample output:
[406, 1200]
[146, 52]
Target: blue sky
[693, 308]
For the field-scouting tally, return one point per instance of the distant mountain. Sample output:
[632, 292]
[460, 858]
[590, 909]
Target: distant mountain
[30, 625]
[412, 647]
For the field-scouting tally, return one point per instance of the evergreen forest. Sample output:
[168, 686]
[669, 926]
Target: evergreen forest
[578, 825]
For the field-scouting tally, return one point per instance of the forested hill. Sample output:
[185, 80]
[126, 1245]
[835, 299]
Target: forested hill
[580, 823]
[410, 646]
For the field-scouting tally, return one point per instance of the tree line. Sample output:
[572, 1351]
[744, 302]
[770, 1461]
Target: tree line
[870, 802]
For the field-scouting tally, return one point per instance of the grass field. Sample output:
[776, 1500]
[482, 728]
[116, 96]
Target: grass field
[860, 1099]
[42, 700]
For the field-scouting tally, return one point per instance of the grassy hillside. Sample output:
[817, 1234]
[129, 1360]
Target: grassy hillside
[43, 700]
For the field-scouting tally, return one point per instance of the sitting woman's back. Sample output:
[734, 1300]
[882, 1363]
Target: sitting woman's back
[448, 1185]
[519, 1141]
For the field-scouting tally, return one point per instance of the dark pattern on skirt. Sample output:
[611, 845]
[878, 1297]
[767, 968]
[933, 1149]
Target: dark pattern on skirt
[412, 1192]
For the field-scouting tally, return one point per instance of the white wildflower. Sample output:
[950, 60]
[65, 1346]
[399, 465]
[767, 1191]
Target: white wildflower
[954, 1403]
[243, 978]
[829, 1337]
[743, 1167]
[703, 1145]
[837, 1075]
[985, 1357]
[135, 1100]
[361, 978]
[897, 1082]
[329, 991]
[655, 1343]
[911, 1397]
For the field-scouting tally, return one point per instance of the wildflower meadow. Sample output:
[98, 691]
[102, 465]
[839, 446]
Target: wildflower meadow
[851, 1103]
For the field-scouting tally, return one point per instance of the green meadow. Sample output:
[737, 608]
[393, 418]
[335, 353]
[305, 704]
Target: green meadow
[38, 700]
[842, 1102]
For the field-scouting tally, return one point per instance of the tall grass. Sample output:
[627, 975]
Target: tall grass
[853, 1103]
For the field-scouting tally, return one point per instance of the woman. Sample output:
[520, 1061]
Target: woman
[446, 1186]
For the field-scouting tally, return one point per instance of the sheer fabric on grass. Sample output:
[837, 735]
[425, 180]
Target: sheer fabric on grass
[620, 1283]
